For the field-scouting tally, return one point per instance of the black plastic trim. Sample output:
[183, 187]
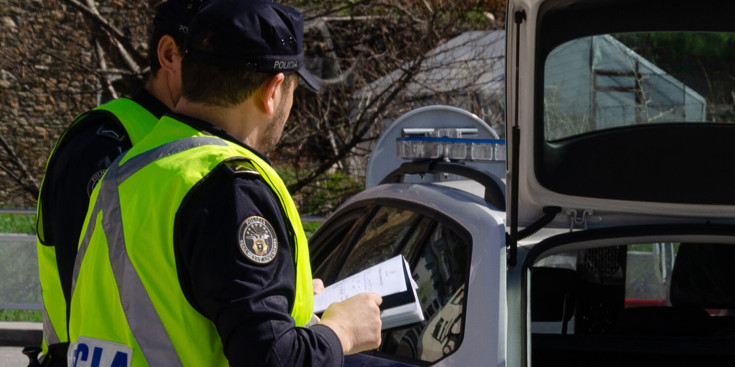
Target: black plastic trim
[648, 230]
[493, 186]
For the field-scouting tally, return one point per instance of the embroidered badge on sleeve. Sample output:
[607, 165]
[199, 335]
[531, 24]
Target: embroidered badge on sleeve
[258, 240]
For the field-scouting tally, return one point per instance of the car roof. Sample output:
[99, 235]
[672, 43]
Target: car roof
[458, 204]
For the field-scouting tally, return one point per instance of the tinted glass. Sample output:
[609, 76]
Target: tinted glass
[330, 242]
[439, 255]
[380, 239]
[626, 79]
[440, 270]
[669, 302]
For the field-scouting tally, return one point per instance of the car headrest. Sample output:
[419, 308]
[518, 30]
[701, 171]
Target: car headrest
[552, 293]
[704, 276]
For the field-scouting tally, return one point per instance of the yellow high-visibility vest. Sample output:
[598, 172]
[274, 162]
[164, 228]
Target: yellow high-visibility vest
[137, 122]
[127, 300]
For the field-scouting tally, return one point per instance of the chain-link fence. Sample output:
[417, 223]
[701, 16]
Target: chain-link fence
[19, 285]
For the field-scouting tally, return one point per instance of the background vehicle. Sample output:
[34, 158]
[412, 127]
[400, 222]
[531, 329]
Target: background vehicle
[617, 244]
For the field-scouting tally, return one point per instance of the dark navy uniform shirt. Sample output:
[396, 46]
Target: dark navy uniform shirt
[249, 303]
[87, 149]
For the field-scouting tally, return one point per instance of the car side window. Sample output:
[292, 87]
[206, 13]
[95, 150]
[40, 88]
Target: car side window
[440, 269]
[381, 239]
[438, 252]
[333, 242]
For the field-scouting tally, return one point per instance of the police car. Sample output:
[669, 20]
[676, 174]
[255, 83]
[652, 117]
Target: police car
[600, 233]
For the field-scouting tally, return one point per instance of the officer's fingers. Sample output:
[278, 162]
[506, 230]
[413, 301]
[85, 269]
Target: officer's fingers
[318, 285]
[376, 298]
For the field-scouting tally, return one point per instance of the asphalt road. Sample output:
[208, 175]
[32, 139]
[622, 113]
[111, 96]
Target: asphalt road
[12, 357]
[15, 335]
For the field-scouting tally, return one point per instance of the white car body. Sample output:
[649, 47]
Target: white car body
[618, 193]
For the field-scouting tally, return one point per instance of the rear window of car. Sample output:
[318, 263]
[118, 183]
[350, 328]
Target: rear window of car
[616, 80]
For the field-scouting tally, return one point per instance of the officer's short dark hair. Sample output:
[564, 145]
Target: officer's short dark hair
[235, 45]
[220, 85]
[172, 18]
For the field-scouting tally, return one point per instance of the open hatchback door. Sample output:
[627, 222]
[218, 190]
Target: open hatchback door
[621, 138]
[625, 109]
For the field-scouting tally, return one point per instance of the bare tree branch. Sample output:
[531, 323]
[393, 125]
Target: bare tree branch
[343, 79]
[131, 56]
[107, 84]
[354, 44]
[376, 106]
[25, 179]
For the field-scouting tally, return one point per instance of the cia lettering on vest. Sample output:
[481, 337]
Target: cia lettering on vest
[89, 352]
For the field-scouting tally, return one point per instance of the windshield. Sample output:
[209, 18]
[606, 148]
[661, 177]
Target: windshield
[626, 79]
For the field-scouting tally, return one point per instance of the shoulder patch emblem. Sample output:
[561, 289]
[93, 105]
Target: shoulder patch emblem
[258, 240]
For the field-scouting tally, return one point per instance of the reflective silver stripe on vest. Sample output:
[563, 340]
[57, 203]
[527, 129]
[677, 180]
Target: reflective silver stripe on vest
[146, 326]
[49, 333]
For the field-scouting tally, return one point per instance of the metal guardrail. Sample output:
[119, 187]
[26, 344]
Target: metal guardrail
[19, 334]
[17, 237]
[24, 246]
[312, 218]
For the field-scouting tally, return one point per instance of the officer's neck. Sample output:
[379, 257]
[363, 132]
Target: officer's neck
[160, 86]
[243, 121]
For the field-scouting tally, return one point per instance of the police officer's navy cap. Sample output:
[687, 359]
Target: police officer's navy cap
[261, 36]
[174, 16]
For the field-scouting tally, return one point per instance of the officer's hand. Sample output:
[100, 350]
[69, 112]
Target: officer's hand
[356, 321]
[318, 285]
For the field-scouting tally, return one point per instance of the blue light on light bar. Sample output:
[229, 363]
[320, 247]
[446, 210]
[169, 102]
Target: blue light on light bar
[459, 149]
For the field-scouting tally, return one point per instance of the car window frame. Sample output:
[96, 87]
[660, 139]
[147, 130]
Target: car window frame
[358, 215]
[371, 207]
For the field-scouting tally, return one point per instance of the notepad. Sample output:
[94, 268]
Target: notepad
[390, 279]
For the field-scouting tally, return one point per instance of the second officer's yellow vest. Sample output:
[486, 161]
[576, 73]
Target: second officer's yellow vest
[127, 302]
[137, 122]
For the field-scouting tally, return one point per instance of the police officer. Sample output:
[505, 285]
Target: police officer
[193, 252]
[82, 154]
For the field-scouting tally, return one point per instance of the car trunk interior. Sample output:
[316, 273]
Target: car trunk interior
[665, 303]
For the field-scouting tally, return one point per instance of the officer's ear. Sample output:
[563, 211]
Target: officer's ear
[169, 56]
[271, 93]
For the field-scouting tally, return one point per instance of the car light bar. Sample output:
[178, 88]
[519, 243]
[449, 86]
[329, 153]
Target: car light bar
[454, 149]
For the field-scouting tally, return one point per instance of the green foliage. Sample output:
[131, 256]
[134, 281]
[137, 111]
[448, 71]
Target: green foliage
[701, 60]
[665, 47]
[476, 18]
[17, 223]
[710, 45]
[641, 248]
[457, 18]
[324, 194]
[311, 227]
[21, 315]
[648, 248]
